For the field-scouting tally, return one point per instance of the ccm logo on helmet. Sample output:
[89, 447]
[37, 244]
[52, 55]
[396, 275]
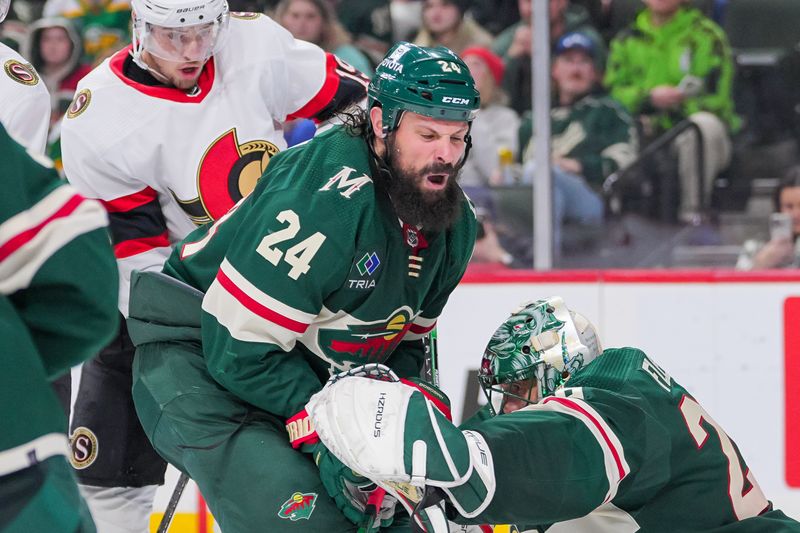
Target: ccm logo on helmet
[454, 100]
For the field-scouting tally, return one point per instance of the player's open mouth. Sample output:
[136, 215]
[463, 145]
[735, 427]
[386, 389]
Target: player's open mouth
[436, 181]
[189, 71]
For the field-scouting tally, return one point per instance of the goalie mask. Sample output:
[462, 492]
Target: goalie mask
[533, 353]
[178, 30]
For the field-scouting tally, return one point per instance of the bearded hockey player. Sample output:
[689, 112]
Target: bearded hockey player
[57, 308]
[345, 253]
[573, 442]
[24, 100]
[170, 133]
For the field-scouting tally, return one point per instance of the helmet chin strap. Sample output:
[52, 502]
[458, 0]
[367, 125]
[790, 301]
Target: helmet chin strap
[141, 63]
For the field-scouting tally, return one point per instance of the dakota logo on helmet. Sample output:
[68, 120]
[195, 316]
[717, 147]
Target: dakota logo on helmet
[454, 100]
[83, 444]
[299, 506]
[21, 72]
[227, 172]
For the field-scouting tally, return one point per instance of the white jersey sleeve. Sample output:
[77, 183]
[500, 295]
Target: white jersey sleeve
[24, 101]
[301, 80]
[138, 227]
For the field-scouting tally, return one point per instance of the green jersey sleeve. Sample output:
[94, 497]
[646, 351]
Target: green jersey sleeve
[56, 263]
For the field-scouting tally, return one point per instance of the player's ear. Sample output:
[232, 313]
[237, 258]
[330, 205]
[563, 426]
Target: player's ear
[376, 119]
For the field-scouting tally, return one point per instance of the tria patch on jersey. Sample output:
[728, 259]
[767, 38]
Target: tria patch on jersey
[364, 271]
[83, 444]
[79, 103]
[299, 506]
[23, 73]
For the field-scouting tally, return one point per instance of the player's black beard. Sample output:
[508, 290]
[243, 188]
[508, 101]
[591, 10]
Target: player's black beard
[431, 210]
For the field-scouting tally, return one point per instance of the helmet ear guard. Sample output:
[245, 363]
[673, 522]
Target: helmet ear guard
[542, 340]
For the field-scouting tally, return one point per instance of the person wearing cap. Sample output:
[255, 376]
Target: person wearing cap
[514, 45]
[496, 125]
[592, 135]
[674, 63]
[444, 24]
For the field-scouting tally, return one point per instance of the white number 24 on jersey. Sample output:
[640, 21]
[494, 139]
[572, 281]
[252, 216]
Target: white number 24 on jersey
[298, 256]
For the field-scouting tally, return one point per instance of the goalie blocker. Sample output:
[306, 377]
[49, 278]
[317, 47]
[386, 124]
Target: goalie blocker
[390, 433]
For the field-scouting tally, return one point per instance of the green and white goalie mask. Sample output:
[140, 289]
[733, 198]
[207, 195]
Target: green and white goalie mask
[536, 349]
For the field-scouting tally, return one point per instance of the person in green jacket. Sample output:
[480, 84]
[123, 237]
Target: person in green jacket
[592, 135]
[671, 64]
[58, 302]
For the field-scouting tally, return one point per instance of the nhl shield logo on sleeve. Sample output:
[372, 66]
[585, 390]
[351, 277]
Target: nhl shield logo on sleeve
[21, 72]
[299, 506]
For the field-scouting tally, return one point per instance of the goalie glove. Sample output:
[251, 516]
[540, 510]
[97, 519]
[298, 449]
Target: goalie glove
[392, 434]
[352, 493]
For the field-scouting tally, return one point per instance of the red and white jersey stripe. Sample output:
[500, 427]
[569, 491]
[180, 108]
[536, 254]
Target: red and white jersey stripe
[616, 465]
[250, 314]
[30, 238]
[420, 328]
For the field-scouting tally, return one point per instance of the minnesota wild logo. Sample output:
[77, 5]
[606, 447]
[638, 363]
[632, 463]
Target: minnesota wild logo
[299, 506]
[364, 343]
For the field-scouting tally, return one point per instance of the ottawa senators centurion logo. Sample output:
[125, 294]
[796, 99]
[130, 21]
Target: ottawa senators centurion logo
[228, 172]
[21, 72]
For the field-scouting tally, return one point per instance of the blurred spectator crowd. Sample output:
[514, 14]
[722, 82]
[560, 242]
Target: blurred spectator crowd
[669, 109]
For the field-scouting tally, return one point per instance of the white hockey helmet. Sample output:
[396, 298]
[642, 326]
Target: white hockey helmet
[4, 7]
[179, 30]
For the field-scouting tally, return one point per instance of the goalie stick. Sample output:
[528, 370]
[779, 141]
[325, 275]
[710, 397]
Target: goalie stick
[430, 367]
[166, 520]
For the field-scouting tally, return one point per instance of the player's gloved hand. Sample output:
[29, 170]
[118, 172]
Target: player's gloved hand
[359, 499]
[351, 491]
[392, 434]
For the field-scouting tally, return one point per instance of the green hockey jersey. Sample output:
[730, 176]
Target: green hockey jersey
[58, 286]
[313, 273]
[622, 448]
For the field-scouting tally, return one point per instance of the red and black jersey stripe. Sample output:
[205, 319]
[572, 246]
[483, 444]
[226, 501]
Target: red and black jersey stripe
[344, 85]
[137, 223]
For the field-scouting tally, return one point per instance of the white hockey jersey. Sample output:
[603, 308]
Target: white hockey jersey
[24, 101]
[164, 161]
